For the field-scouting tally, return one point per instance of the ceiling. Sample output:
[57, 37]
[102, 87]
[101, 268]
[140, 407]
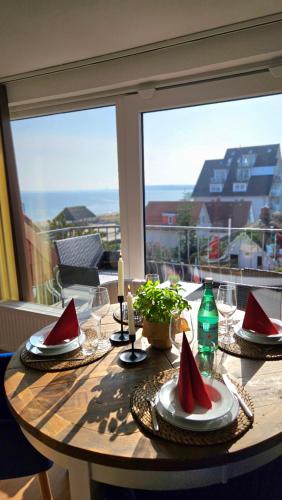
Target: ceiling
[36, 34]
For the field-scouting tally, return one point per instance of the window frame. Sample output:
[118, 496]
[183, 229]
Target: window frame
[129, 123]
[130, 111]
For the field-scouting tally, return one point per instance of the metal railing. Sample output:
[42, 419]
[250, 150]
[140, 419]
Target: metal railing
[189, 252]
[108, 232]
[248, 247]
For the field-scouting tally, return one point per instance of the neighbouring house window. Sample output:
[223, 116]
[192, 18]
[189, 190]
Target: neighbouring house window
[239, 187]
[248, 160]
[216, 188]
[220, 175]
[234, 260]
[243, 174]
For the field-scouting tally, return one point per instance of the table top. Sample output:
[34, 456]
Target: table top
[85, 412]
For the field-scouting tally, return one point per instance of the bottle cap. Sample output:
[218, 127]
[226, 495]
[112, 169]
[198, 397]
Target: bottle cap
[208, 281]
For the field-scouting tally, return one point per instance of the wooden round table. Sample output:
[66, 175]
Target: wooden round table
[81, 419]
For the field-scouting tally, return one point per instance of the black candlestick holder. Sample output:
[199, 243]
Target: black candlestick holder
[120, 337]
[133, 356]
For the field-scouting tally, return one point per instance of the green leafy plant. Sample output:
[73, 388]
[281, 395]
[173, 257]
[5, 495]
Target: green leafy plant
[156, 304]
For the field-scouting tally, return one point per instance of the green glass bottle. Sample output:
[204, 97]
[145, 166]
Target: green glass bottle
[207, 320]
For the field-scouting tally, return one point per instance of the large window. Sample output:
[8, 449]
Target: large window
[214, 162]
[182, 151]
[68, 176]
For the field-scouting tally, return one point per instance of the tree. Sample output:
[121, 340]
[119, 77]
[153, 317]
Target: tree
[188, 238]
[183, 216]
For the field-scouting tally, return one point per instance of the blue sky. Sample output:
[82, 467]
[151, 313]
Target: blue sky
[78, 151]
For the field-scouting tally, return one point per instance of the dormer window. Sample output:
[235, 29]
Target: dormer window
[219, 175]
[168, 218]
[243, 174]
[239, 187]
[216, 188]
[248, 160]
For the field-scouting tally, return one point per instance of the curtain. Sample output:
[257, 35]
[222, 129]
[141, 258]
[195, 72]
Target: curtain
[15, 279]
[8, 274]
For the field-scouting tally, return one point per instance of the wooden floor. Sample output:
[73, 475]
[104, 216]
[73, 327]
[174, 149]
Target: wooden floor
[27, 488]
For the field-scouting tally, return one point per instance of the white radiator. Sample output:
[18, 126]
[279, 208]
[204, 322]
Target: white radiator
[18, 320]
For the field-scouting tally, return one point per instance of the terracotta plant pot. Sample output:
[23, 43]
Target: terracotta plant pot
[157, 334]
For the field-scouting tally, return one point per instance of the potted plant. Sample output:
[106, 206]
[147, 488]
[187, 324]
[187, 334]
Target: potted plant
[156, 304]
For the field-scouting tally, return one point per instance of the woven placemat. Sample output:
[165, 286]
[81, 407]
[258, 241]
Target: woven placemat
[68, 361]
[244, 349]
[141, 412]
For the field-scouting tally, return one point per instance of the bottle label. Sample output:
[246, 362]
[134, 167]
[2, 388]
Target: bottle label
[207, 333]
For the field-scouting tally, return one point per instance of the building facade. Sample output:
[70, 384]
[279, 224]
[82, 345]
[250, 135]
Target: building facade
[251, 174]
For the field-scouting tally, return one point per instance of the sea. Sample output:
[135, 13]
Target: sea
[43, 206]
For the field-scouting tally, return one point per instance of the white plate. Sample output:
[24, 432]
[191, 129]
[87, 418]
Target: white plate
[211, 425]
[38, 339]
[168, 399]
[260, 338]
[58, 350]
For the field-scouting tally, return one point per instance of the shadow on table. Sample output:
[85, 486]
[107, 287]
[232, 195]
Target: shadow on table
[109, 408]
[261, 484]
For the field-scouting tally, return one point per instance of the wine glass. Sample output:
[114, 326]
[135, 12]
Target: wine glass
[152, 277]
[91, 336]
[82, 301]
[100, 302]
[226, 303]
[100, 308]
[181, 323]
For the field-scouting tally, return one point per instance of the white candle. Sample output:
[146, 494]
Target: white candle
[131, 325]
[120, 277]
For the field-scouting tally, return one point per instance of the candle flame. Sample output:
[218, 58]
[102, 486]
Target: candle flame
[128, 288]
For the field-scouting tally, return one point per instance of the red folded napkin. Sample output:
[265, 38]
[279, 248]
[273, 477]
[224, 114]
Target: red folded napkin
[67, 327]
[256, 319]
[191, 387]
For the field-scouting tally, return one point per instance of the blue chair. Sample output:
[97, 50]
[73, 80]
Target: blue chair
[18, 457]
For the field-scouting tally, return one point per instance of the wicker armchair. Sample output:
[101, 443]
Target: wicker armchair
[81, 257]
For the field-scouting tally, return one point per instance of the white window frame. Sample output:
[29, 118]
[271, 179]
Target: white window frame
[216, 187]
[130, 154]
[129, 110]
[239, 187]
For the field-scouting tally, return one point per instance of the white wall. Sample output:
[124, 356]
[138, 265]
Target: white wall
[236, 51]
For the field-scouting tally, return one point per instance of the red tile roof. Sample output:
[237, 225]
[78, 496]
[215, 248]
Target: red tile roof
[155, 209]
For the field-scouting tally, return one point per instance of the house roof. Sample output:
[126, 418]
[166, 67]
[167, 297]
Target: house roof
[220, 211]
[261, 158]
[155, 209]
[76, 214]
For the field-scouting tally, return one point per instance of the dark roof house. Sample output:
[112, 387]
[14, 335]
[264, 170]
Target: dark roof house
[76, 215]
[249, 171]
[252, 173]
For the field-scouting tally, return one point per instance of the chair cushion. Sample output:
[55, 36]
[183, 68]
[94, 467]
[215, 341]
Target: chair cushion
[4, 409]
[18, 457]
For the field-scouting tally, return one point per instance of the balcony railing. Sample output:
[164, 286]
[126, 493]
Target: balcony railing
[189, 252]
